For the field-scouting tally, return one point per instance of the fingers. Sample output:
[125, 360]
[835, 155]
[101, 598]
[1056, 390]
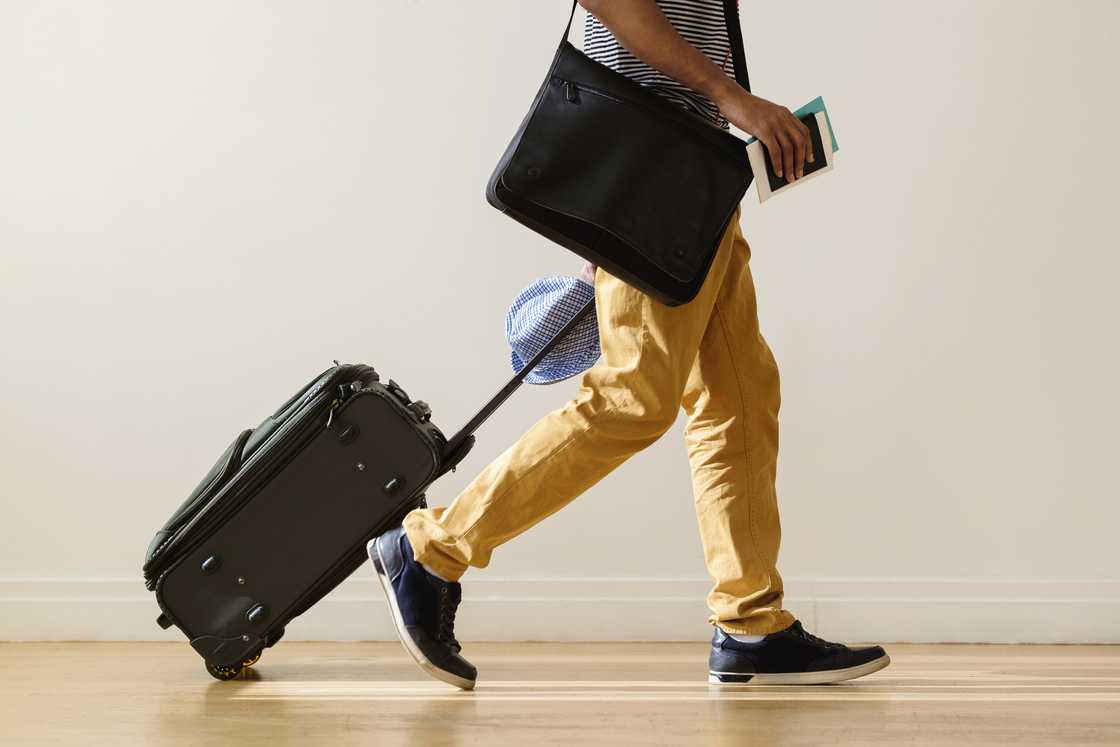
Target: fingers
[788, 158]
[588, 272]
[774, 149]
[796, 147]
[803, 148]
[788, 143]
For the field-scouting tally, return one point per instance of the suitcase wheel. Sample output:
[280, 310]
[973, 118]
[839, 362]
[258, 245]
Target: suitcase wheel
[222, 673]
[219, 672]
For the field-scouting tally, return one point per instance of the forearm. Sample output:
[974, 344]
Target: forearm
[641, 27]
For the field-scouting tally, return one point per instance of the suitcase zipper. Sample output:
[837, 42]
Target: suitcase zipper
[216, 514]
[345, 392]
[294, 437]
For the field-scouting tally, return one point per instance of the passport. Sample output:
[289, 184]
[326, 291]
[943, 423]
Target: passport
[767, 182]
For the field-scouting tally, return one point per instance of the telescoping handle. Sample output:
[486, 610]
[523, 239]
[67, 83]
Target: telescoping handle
[461, 442]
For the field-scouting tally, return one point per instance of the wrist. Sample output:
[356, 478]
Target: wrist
[723, 91]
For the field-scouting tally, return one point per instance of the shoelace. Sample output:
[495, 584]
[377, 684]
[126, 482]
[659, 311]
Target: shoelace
[448, 605]
[807, 636]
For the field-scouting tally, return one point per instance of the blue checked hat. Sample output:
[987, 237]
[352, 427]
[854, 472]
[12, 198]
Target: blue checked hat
[538, 313]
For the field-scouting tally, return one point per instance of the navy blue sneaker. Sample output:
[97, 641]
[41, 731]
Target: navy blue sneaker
[789, 657]
[423, 609]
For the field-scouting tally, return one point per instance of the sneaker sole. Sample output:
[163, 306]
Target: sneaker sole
[374, 552]
[800, 678]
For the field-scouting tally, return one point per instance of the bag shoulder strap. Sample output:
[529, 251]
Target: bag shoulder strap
[735, 37]
[568, 27]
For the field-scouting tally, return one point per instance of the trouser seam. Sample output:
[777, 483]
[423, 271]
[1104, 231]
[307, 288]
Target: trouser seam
[748, 479]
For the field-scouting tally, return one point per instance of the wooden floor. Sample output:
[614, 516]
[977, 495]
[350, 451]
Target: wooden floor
[371, 694]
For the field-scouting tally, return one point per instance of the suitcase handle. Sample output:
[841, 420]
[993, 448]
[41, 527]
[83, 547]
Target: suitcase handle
[452, 451]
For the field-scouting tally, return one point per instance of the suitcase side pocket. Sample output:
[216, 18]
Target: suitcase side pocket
[226, 466]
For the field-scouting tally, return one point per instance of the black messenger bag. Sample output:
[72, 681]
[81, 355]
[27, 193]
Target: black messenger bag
[623, 177]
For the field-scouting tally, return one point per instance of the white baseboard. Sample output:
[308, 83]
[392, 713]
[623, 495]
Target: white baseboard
[615, 609]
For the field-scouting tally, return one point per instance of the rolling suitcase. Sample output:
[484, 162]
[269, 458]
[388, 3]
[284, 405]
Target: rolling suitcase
[285, 514]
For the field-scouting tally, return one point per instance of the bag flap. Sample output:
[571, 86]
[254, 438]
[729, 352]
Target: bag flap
[600, 148]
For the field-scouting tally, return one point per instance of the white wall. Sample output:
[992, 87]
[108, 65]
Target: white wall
[202, 204]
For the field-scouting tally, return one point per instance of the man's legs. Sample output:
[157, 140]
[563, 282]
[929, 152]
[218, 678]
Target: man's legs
[732, 399]
[626, 402]
[706, 356]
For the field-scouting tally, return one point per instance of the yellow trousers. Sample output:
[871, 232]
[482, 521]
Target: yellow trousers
[706, 356]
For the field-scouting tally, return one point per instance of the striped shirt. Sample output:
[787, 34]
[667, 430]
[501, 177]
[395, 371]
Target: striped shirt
[700, 22]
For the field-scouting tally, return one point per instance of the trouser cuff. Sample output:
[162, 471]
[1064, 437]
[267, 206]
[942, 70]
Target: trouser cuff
[764, 624]
[431, 553]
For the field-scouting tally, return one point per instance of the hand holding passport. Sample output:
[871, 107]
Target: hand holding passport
[823, 142]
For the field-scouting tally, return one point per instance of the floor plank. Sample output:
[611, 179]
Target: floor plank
[549, 694]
